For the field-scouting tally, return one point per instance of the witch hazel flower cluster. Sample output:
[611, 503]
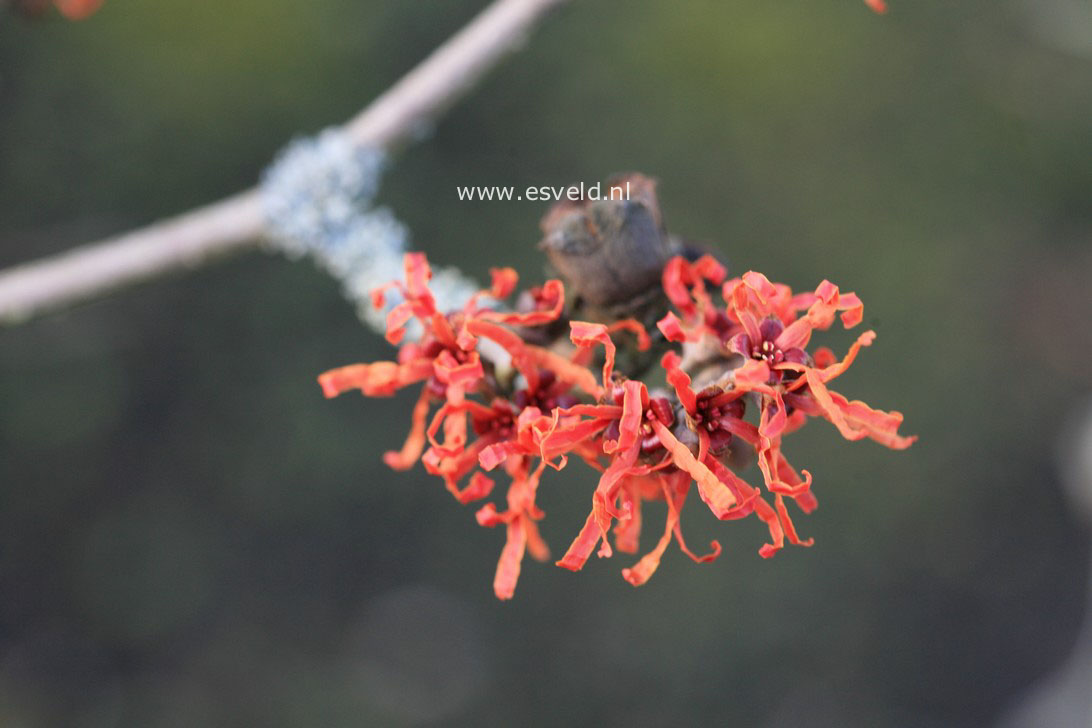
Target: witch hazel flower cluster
[741, 376]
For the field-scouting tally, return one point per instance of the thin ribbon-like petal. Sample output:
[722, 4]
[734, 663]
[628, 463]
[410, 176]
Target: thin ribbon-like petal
[415, 442]
[712, 491]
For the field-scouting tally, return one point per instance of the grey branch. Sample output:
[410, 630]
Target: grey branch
[207, 233]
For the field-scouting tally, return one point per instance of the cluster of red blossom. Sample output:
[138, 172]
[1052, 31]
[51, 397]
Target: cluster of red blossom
[646, 445]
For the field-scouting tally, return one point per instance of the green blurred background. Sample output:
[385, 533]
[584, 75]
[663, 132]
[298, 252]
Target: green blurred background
[190, 535]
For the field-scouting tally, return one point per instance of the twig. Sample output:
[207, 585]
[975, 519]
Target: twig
[236, 223]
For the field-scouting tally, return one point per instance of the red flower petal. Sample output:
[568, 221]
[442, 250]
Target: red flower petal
[586, 335]
[415, 443]
[634, 400]
[745, 494]
[770, 464]
[716, 495]
[635, 327]
[508, 567]
[418, 274]
[773, 523]
[582, 546]
[566, 371]
[673, 329]
[552, 290]
[479, 487]
[504, 281]
[675, 279]
[397, 318]
[786, 522]
[646, 567]
[680, 380]
[838, 368]
[856, 420]
[460, 374]
[380, 379]
[627, 530]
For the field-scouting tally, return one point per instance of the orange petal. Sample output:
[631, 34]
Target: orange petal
[479, 487]
[856, 420]
[646, 567]
[680, 380]
[463, 374]
[508, 567]
[790, 529]
[565, 370]
[582, 546]
[635, 327]
[551, 290]
[745, 494]
[504, 281]
[418, 274]
[715, 494]
[676, 277]
[633, 412]
[397, 318]
[415, 443]
[777, 534]
[836, 369]
[379, 379]
[627, 531]
[673, 330]
[585, 334]
[538, 548]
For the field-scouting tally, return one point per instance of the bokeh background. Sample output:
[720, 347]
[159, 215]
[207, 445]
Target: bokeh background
[191, 535]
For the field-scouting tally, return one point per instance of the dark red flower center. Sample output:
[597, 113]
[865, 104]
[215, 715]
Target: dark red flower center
[502, 422]
[715, 407]
[768, 352]
[550, 394]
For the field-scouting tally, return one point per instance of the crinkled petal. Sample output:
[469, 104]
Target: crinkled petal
[856, 420]
[715, 494]
[479, 487]
[508, 567]
[463, 374]
[504, 281]
[769, 463]
[380, 379]
[674, 330]
[773, 523]
[552, 290]
[838, 368]
[636, 328]
[646, 567]
[415, 443]
[397, 318]
[786, 522]
[511, 342]
[598, 521]
[585, 334]
[564, 369]
[582, 546]
[633, 412]
[627, 530]
[680, 380]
